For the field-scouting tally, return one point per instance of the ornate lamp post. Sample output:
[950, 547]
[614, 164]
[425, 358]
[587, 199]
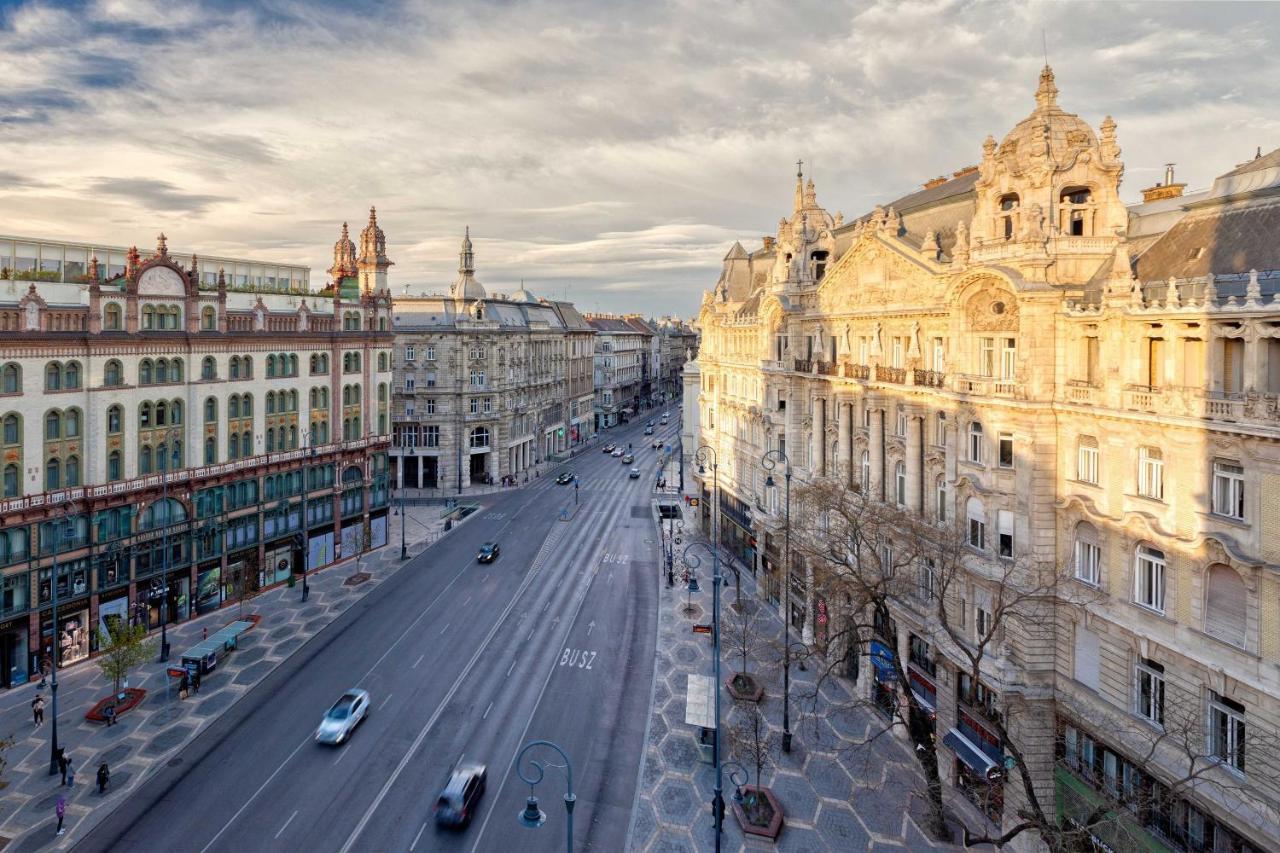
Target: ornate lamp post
[404, 519]
[769, 462]
[704, 454]
[63, 530]
[532, 816]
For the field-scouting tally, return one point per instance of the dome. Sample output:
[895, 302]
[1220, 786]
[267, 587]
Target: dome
[1048, 130]
[522, 295]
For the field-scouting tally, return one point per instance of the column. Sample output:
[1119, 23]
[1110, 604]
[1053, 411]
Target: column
[818, 440]
[915, 459]
[875, 449]
[844, 445]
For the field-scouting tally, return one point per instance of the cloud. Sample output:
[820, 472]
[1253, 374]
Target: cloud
[615, 150]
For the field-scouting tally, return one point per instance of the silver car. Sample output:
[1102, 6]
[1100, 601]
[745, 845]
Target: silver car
[340, 720]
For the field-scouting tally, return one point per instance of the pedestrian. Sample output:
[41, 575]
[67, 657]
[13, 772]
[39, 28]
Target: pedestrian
[109, 713]
[182, 687]
[71, 774]
[61, 810]
[63, 764]
[204, 633]
[37, 709]
[104, 776]
[195, 682]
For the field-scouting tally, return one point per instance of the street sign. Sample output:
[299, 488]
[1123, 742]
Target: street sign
[702, 629]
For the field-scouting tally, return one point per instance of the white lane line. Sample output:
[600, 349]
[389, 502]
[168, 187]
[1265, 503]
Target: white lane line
[342, 753]
[419, 660]
[385, 701]
[464, 604]
[446, 627]
[486, 711]
[286, 824]
[531, 630]
[510, 668]
[416, 837]
[546, 606]
[254, 798]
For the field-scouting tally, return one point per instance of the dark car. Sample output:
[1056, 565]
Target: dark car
[628, 459]
[488, 551]
[609, 448]
[648, 430]
[565, 477]
[457, 802]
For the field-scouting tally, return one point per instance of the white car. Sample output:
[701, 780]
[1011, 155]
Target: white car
[341, 720]
[619, 452]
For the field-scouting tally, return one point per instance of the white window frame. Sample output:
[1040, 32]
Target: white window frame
[475, 405]
[987, 357]
[1001, 439]
[1008, 359]
[1006, 545]
[940, 430]
[900, 483]
[488, 405]
[1088, 562]
[1231, 752]
[940, 494]
[977, 534]
[866, 472]
[939, 355]
[408, 352]
[409, 383]
[1228, 489]
[1087, 459]
[977, 442]
[1150, 707]
[1150, 576]
[926, 580]
[431, 352]
[431, 405]
[1151, 473]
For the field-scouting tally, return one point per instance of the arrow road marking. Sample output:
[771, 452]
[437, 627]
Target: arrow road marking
[591, 627]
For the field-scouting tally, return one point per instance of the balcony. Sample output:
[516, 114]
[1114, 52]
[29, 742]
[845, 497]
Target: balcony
[1082, 393]
[896, 375]
[929, 378]
[855, 371]
[803, 365]
[1143, 398]
[826, 368]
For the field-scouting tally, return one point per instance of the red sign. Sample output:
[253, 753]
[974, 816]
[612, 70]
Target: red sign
[822, 612]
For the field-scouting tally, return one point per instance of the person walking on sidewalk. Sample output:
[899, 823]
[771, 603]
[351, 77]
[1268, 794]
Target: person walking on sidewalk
[104, 776]
[195, 681]
[37, 709]
[64, 764]
[109, 713]
[61, 810]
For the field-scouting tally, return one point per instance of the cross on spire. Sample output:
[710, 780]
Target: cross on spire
[799, 168]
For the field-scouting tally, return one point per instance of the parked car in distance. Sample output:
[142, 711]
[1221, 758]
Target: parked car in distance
[635, 474]
[457, 803]
[628, 459]
[341, 720]
[565, 477]
[488, 551]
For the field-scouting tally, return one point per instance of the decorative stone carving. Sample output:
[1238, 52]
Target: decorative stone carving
[992, 311]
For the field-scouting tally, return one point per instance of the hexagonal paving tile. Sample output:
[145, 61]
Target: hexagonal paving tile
[829, 779]
[840, 828]
[797, 798]
[674, 802]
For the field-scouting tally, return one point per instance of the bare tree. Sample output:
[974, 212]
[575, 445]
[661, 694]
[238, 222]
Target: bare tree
[753, 743]
[741, 633]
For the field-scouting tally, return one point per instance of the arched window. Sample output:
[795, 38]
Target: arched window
[233, 445]
[1225, 605]
[175, 370]
[144, 372]
[351, 475]
[115, 469]
[1008, 208]
[148, 317]
[246, 406]
[162, 413]
[246, 367]
[162, 456]
[53, 376]
[12, 433]
[480, 437]
[940, 496]
[115, 420]
[208, 368]
[1088, 554]
[144, 416]
[175, 412]
[71, 375]
[113, 374]
[382, 361]
[977, 446]
[293, 365]
[233, 370]
[312, 398]
[233, 406]
[900, 477]
[210, 410]
[72, 471]
[52, 475]
[162, 370]
[11, 379]
[246, 443]
[293, 401]
[162, 513]
[208, 319]
[53, 425]
[210, 451]
[12, 481]
[315, 362]
[112, 317]
[71, 424]
[271, 439]
[977, 517]
[271, 402]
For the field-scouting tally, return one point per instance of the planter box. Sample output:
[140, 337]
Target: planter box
[132, 696]
[773, 828]
[751, 690]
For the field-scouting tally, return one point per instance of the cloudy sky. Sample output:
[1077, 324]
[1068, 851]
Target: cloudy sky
[607, 151]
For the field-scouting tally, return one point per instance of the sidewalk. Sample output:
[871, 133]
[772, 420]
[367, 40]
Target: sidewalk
[835, 798]
[162, 724]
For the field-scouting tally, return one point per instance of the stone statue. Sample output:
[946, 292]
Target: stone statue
[913, 349]
[875, 340]
[848, 340]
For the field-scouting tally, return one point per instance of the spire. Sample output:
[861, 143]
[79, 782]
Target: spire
[466, 257]
[799, 204]
[162, 246]
[466, 286]
[1047, 93]
[344, 257]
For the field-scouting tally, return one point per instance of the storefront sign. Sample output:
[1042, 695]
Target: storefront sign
[113, 614]
[882, 660]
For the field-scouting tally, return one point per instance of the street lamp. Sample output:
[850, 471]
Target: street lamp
[64, 531]
[404, 550]
[769, 462]
[172, 456]
[531, 816]
[704, 454]
[311, 447]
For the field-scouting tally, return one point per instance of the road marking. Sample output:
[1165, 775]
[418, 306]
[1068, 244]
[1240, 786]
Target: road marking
[546, 606]
[464, 604]
[581, 658]
[342, 753]
[531, 630]
[419, 660]
[254, 798]
[486, 711]
[513, 666]
[286, 824]
[416, 837]
[446, 627]
[384, 702]
[591, 627]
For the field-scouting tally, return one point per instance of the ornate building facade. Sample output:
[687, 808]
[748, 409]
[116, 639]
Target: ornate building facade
[622, 349]
[175, 436]
[487, 387]
[1084, 387]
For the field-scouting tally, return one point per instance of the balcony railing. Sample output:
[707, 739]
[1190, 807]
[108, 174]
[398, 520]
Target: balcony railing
[896, 375]
[856, 371]
[826, 368]
[930, 378]
[803, 365]
[1144, 398]
[1082, 393]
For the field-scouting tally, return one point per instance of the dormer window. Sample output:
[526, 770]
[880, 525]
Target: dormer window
[1009, 201]
[1008, 205]
[1075, 221]
[819, 259]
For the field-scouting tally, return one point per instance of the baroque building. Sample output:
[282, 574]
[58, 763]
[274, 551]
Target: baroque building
[1089, 388]
[178, 434]
[487, 387]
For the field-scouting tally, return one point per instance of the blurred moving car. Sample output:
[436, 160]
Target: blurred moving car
[618, 452]
[635, 474]
[648, 430]
[457, 803]
[565, 477]
[488, 551]
[628, 459]
[609, 448]
[340, 720]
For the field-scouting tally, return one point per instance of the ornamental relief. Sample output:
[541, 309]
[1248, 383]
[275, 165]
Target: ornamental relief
[992, 311]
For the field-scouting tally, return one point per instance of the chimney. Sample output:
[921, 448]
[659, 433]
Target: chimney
[1168, 189]
[935, 182]
[768, 244]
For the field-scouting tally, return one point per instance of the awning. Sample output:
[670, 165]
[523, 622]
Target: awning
[882, 660]
[965, 750]
[700, 702]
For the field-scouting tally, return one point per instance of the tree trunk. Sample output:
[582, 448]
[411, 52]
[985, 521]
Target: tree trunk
[922, 737]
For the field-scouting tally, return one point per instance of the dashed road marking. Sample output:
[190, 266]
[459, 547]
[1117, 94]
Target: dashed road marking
[286, 824]
[416, 837]
[419, 660]
[486, 711]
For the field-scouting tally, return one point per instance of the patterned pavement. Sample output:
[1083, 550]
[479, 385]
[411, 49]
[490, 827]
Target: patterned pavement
[837, 797]
[162, 724]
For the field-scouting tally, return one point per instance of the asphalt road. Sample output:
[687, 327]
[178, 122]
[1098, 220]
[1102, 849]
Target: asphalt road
[554, 640]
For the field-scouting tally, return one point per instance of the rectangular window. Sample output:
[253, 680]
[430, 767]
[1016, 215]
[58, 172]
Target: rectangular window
[987, 356]
[1228, 489]
[431, 405]
[409, 383]
[1148, 691]
[1087, 460]
[475, 405]
[1226, 731]
[978, 533]
[488, 405]
[1005, 440]
[898, 352]
[940, 430]
[1088, 561]
[926, 580]
[939, 355]
[408, 352]
[981, 621]
[1008, 359]
[432, 436]
[431, 352]
[1091, 371]
[1151, 473]
[1149, 578]
[1004, 529]
[975, 443]
[1086, 657]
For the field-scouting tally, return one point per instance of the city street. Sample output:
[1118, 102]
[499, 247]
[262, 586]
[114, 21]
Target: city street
[553, 640]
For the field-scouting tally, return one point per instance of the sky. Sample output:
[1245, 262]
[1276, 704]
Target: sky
[607, 152]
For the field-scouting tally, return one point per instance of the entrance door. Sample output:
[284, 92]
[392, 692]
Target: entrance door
[430, 472]
[479, 466]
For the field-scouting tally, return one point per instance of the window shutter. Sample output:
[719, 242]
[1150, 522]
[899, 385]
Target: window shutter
[1225, 605]
[1086, 658]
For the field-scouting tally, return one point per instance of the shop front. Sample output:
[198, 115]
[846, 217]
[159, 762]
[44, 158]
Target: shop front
[884, 688]
[168, 602]
[735, 530]
[209, 586]
[72, 636]
[278, 566]
[320, 549]
[241, 577]
[378, 531]
[13, 651]
[353, 537]
[114, 612]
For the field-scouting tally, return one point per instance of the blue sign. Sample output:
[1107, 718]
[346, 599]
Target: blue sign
[882, 660]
